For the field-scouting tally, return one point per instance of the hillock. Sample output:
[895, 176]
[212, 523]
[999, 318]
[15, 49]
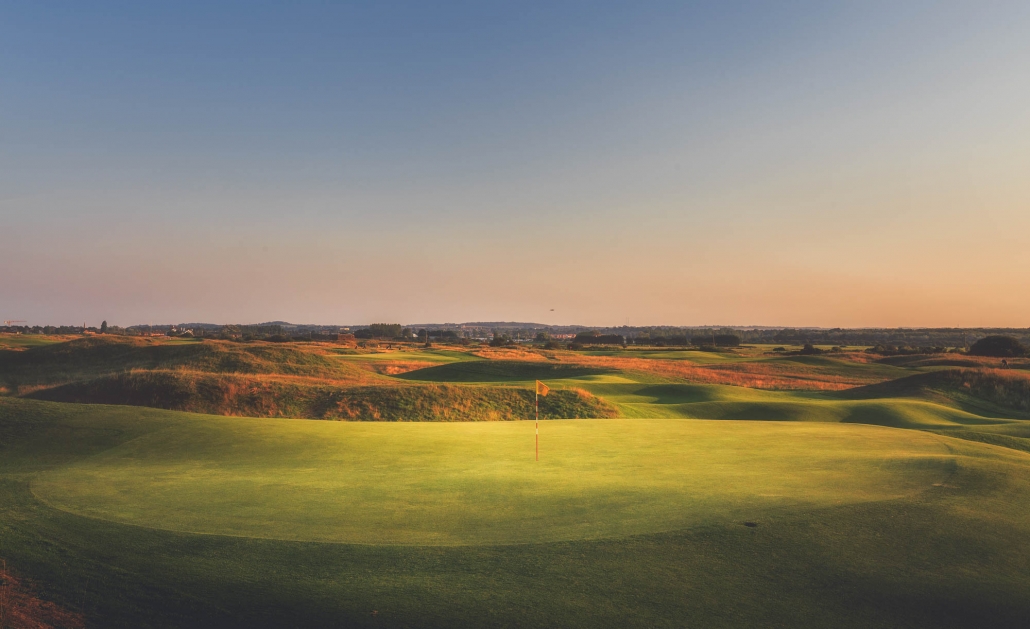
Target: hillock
[1009, 389]
[90, 357]
[240, 395]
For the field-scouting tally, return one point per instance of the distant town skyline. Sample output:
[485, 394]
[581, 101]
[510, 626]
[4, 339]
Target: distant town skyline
[657, 163]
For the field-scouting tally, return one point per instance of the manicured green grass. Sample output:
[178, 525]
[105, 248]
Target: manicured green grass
[832, 517]
[17, 341]
[854, 526]
[478, 483]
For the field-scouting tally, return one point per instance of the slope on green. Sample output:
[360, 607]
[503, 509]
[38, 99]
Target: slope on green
[478, 483]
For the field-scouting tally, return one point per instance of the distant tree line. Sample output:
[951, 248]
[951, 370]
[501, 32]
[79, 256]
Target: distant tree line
[696, 340]
[869, 337]
[383, 331]
[592, 337]
[882, 340]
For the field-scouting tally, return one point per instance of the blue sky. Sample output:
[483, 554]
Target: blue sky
[792, 163]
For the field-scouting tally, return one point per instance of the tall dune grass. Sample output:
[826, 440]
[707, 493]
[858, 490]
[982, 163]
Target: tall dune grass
[267, 396]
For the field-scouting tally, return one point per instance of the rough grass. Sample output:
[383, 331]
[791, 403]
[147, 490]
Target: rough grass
[277, 397]
[759, 375]
[952, 360]
[89, 357]
[434, 356]
[21, 607]
[1004, 388]
[503, 371]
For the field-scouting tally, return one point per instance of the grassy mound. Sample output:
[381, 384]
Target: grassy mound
[739, 403]
[1007, 389]
[271, 397]
[86, 358]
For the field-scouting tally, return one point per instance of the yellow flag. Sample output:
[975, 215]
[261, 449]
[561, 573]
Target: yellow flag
[541, 388]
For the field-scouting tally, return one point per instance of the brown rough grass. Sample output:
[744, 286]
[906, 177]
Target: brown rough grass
[508, 353]
[266, 396]
[395, 367]
[753, 375]
[22, 608]
[1007, 388]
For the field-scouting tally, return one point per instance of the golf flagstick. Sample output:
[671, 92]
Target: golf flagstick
[541, 389]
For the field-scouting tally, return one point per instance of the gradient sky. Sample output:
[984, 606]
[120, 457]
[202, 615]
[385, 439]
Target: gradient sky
[794, 163]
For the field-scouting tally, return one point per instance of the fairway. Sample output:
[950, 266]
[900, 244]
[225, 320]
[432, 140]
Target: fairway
[460, 484]
[739, 403]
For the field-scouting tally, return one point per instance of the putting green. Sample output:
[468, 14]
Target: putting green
[477, 483]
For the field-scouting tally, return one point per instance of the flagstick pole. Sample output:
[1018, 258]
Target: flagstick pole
[537, 389]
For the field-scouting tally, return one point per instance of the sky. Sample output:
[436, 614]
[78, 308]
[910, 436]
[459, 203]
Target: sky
[841, 164]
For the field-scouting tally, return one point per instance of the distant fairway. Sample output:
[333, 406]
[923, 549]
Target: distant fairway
[478, 484]
[502, 371]
[18, 341]
[726, 402]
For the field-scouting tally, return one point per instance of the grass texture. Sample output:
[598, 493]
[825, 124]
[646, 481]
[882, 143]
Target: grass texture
[146, 518]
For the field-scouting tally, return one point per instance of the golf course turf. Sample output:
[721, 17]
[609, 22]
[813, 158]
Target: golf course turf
[834, 510]
[475, 483]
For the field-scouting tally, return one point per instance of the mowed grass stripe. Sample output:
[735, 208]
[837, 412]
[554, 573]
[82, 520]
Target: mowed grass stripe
[473, 484]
